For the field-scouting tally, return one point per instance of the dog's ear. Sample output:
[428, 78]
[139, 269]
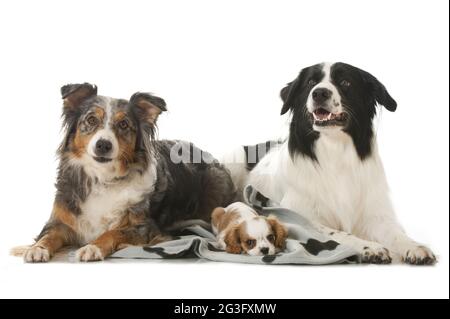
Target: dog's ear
[233, 241]
[75, 94]
[288, 94]
[279, 231]
[216, 216]
[148, 106]
[380, 94]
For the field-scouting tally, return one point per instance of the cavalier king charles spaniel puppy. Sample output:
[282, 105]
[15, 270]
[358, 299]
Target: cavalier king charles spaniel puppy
[240, 229]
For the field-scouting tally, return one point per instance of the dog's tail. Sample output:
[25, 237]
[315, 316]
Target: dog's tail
[19, 251]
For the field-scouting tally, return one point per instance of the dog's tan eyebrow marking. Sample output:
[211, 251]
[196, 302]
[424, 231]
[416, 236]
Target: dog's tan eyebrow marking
[119, 116]
[99, 111]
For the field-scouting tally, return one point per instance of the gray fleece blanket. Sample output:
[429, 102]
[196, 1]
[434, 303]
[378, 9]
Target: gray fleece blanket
[305, 244]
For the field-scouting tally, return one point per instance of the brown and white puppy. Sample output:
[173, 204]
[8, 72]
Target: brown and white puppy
[119, 186]
[240, 229]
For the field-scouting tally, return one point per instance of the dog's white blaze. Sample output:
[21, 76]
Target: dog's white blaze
[335, 101]
[108, 109]
[326, 68]
[257, 228]
[106, 133]
[107, 203]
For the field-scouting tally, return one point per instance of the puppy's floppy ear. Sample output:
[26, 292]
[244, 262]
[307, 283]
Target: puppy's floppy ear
[75, 94]
[216, 216]
[233, 241]
[279, 230]
[288, 94]
[148, 106]
[379, 91]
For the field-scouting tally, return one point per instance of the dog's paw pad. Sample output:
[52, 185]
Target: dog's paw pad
[89, 253]
[419, 255]
[376, 255]
[36, 254]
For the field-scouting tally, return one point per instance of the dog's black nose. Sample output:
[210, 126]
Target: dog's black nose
[103, 147]
[264, 250]
[320, 95]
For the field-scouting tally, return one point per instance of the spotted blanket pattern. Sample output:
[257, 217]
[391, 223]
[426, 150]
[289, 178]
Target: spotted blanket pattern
[305, 244]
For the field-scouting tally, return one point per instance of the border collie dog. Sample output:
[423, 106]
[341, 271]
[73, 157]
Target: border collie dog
[117, 185]
[329, 168]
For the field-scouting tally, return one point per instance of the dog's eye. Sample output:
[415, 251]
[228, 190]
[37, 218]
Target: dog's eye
[345, 83]
[123, 125]
[250, 243]
[271, 238]
[92, 120]
[312, 82]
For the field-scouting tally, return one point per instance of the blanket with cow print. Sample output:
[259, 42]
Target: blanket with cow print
[305, 245]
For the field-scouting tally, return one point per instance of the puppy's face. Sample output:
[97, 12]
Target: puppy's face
[335, 97]
[257, 236]
[107, 134]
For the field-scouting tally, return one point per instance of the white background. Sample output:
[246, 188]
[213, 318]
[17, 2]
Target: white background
[220, 66]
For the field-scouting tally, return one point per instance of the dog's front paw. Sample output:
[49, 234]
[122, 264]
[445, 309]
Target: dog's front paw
[89, 253]
[375, 254]
[419, 255]
[36, 254]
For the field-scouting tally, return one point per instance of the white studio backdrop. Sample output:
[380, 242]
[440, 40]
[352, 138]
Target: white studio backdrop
[220, 66]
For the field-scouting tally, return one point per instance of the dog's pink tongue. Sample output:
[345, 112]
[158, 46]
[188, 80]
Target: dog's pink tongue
[321, 114]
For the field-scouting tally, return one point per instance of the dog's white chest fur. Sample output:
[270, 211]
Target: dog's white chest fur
[331, 191]
[105, 206]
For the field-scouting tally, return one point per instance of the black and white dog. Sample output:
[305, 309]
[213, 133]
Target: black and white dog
[329, 168]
